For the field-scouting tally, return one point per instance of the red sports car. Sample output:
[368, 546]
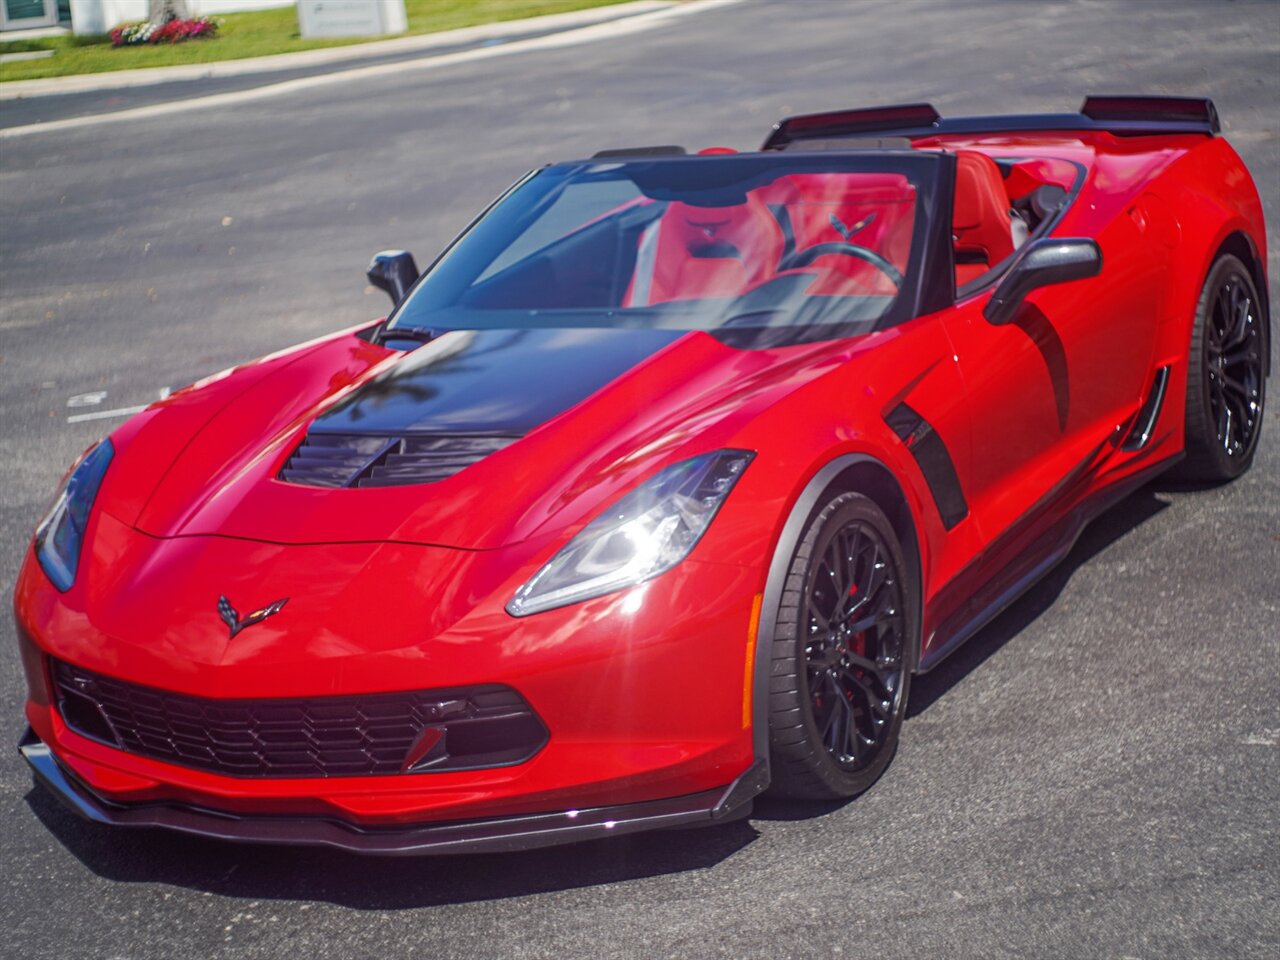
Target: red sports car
[653, 491]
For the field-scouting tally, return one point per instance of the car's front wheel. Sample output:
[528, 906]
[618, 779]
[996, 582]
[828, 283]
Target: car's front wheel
[843, 650]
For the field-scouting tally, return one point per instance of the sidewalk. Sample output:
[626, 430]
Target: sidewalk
[330, 58]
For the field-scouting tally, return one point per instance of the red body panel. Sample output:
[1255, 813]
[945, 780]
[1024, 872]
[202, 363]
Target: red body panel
[404, 588]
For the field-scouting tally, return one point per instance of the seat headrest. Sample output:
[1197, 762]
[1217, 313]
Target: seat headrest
[980, 195]
[746, 231]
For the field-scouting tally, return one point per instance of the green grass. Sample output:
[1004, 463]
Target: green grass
[257, 34]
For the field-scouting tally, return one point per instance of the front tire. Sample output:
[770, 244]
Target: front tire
[844, 646]
[1226, 376]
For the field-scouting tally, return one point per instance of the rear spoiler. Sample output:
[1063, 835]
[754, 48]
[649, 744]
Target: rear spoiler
[1122, 116]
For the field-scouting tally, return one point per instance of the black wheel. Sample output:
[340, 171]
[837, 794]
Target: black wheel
[1226, 385]
[844, 647]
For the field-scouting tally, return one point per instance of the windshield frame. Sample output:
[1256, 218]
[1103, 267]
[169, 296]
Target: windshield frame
[928, 285]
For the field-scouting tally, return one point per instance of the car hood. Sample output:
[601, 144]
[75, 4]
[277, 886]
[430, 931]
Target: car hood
[576, 417]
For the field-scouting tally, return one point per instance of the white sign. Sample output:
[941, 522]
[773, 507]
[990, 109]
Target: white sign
[351, 18]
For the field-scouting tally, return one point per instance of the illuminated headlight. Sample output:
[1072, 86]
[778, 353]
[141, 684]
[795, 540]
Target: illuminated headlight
[61, 533]
[645, 533]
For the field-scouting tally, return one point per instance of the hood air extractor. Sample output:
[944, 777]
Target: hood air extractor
[360, 460]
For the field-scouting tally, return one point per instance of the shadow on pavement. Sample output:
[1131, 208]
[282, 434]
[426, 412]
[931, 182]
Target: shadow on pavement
[1127, 515]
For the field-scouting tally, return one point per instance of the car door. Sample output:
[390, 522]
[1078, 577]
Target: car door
[1050, 390]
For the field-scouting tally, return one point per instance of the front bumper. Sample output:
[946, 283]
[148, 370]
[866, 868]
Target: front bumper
[496, 835]
[642, 692]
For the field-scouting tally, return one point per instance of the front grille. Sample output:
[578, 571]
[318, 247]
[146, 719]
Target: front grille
[433, 730]
[358, 460]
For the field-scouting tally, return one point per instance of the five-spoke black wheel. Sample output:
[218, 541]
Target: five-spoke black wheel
[844, 646]
[1226, 376]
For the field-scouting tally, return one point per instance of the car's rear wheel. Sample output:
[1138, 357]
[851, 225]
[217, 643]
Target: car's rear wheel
[843, 650]
[1226, 383]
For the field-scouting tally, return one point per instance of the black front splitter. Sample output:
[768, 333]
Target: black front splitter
[496, 835]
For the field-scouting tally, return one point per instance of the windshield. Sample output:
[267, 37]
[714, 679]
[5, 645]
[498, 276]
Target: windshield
[691, 243]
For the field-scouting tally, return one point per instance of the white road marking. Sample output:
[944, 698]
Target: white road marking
[162, 394]
[107, 414]
[602, 31]
[87, 399]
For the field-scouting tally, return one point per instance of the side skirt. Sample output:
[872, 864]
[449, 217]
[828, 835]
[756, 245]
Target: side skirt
[1013, 580]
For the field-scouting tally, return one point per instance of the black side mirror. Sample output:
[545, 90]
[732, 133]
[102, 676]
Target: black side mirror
[1045, 261]
[393, 271]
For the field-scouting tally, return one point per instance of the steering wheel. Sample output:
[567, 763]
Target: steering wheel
[805, 257]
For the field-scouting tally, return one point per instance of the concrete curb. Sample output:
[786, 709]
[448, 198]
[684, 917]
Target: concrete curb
[346, 55]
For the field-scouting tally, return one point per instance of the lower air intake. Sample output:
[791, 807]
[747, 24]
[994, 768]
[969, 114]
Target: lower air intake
[434, 730]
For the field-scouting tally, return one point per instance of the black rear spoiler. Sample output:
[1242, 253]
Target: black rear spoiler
[1123, 116]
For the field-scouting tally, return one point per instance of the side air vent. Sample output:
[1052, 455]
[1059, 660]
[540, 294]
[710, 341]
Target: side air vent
[1144, 423]
[357, 460]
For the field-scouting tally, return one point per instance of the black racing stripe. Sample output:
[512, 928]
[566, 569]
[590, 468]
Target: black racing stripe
[498, 382]
[935, 462]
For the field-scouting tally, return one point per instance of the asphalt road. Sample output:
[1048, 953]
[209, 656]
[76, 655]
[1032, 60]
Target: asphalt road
[1096, 774]
[114, 96]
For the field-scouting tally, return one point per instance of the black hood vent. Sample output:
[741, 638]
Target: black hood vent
[459, 398]
[361, 460]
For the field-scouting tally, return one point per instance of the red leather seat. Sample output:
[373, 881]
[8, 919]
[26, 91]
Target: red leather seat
[980, 217]
[698, 253]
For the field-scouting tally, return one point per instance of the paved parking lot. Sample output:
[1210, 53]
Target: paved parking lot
[1094, 775]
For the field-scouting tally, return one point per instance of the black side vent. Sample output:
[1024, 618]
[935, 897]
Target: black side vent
[1145, 422]
[934, 460]
[357, 460]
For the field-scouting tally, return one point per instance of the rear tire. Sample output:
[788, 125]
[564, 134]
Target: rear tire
[1226, 383]
[845, 643]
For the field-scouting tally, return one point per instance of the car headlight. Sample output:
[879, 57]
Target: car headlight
[61, 533]
[645, 533]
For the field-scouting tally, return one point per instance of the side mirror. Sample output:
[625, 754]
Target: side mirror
[393, 271]
[1044, 262]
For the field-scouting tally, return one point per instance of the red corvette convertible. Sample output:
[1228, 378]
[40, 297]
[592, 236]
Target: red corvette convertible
[654, 490]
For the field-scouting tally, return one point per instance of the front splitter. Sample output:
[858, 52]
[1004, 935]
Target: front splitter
[498, 835]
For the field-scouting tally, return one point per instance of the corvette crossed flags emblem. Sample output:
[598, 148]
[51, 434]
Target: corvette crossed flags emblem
[232, 618]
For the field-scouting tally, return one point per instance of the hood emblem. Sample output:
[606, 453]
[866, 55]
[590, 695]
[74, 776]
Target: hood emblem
[233, 621]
